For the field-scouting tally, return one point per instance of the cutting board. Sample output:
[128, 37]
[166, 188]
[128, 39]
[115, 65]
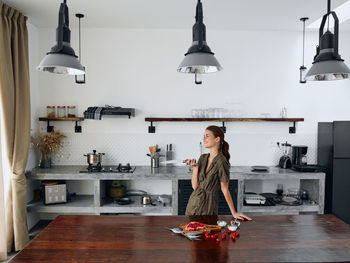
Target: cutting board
[208, 229]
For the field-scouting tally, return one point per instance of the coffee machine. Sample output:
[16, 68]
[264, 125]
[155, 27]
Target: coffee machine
[299, 155]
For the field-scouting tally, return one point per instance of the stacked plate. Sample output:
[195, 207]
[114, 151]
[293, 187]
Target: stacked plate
[260, 168]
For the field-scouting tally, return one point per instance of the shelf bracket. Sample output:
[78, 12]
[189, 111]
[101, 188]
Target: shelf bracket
[223, 127]
[77, 128]
[293, 128]
[49, 128]
[151, 129]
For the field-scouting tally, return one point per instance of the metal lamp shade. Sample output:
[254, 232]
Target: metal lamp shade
[199, 63]
[61, 64]
[328, 70]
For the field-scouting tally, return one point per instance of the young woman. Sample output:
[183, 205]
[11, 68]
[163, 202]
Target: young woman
[211, 173]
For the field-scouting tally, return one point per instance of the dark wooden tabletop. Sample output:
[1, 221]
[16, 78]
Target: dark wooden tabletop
[282, 238]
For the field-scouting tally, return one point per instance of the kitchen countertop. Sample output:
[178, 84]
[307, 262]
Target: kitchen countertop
[278, 238]
[71, 172]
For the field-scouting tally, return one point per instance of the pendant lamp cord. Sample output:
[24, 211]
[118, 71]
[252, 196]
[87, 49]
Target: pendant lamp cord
[303, 40]
[328, 11]
[79, 43]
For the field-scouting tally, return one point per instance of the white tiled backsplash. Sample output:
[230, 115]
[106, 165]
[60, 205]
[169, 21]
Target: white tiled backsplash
[245, 148]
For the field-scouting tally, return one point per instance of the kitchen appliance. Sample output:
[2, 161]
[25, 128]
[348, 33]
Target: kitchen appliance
[109, 168]
[333, 153]
[94, 158]
[285, 161]
[254, 199]
[299, 155]
[54, 193]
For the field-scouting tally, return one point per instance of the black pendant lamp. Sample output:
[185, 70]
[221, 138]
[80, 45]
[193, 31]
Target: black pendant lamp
[62, 59]
[328, 64]
[302, 68]
[199, 59]
[80, 79]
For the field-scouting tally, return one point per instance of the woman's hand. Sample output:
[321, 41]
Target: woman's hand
[241, 216]
[191, 162]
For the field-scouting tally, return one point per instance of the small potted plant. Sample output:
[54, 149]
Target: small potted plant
[48, 144]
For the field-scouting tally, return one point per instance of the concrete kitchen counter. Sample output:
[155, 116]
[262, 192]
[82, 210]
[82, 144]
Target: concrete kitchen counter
[72, 172]
[313, 182]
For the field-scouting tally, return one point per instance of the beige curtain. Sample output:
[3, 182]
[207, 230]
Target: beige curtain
[3, 250]
[14, 94]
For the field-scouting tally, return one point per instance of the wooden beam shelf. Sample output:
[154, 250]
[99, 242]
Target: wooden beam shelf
[152, 129]
[49, 128]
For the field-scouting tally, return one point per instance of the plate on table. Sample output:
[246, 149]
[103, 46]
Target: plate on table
[260, 168]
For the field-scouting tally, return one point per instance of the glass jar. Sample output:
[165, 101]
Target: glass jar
[51, 111]
[71, 111]
[61, 111]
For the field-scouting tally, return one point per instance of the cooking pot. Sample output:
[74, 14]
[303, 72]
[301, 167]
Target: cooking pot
[94, 158]
[146, 200]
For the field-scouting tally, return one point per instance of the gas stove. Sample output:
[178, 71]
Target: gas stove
[109, 169]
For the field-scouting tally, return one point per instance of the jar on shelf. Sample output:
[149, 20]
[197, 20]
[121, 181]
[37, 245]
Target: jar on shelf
[71, 111]
[51, 111]
[61, 111]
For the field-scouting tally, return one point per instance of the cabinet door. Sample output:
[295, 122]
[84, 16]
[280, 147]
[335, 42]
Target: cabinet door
[341, 139]
[185, 190]
[341, 189]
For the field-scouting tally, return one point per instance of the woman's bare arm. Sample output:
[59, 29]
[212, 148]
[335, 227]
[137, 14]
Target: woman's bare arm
[226, 192]
[194, 179]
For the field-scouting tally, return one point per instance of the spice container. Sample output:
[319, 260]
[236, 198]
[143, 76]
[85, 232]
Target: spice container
[71, 111]
[61, 111]
[51, 111]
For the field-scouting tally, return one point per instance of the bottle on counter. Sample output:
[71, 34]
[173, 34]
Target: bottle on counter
[51, 111]
[71, 111]
[61, 111]
[169, 155]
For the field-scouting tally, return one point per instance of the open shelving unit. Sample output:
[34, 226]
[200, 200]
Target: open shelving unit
[49, 128]
[292, 129]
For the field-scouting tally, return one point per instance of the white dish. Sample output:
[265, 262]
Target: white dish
[221, 223]
[289, 199]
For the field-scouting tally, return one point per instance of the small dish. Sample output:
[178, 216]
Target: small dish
[221, 223]
[232, 228]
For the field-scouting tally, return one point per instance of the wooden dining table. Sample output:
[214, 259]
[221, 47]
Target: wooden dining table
[277, 238]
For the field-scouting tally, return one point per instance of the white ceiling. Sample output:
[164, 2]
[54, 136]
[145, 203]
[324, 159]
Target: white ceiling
[179, 14]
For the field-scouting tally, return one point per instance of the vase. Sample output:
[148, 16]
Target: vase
[45, 163]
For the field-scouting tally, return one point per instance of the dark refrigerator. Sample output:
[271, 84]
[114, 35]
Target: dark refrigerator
[333, 152]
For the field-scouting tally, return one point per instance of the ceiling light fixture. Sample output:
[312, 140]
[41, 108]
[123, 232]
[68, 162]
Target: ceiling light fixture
[199, 59]
[78, 78]
[302, 68]
[328, 64]
[62, 59]
[343, 14]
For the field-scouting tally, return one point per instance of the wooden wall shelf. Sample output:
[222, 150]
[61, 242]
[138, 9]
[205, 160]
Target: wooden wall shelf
[49, 128]
[152, 129]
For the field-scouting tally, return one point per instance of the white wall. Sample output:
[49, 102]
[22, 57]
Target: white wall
[137, 68]
[33, 40]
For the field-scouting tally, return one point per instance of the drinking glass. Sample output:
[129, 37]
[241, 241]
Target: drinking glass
[279, 190]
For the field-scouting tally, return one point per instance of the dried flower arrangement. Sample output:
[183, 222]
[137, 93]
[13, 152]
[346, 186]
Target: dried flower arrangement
[48, 143]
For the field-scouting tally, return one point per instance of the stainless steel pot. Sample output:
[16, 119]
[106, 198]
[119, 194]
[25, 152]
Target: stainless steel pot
[94, 158]
[146, 200]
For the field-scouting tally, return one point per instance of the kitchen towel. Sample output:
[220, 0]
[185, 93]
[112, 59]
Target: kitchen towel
[93, 113]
